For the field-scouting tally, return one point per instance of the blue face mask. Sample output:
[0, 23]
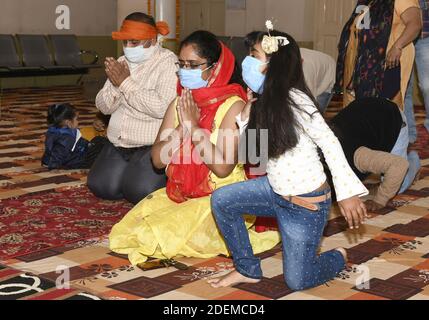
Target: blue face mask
[192, 79]
[252, 74]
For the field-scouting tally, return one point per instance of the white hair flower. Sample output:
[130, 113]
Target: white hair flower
[270, 44]
[283, 41]
[269, 25]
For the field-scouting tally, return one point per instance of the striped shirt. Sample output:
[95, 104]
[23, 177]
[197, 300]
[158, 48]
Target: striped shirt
[138, 106]
[424, 4]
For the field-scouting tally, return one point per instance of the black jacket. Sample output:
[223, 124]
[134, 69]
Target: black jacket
[374, 123]
[59, 151]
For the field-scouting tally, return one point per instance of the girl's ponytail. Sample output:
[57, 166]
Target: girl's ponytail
[58, 113]
[51, 114]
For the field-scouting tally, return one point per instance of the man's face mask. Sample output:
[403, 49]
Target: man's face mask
[139, 53]
[252, 74]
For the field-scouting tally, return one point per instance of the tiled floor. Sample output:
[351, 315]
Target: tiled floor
[391, 251]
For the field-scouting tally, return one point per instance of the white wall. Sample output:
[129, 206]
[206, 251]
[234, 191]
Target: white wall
[125, 7]
[241, 22]
[89, 18]
[295, 17]
[101, 17]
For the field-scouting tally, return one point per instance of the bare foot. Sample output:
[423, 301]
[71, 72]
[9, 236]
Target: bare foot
[230, 280]
[343, 252]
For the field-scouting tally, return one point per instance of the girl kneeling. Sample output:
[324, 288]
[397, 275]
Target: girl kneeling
[295, 190]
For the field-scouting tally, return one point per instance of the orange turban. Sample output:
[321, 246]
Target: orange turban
[134, 30]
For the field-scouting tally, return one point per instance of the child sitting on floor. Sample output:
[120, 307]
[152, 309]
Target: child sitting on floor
[65, 148]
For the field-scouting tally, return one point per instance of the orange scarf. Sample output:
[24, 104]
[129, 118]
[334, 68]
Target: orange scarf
[134, 30]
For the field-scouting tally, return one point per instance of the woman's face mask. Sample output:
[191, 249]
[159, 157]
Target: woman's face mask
[252, 74]
[192, 78]
[139, 54]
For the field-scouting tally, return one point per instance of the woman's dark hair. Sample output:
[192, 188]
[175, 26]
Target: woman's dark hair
[274, 110]
[208, 47]
[58, 113]
[141, 17]
[205, 44]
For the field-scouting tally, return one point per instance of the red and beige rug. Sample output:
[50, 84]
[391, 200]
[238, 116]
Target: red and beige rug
[389, 255]
[54, 218]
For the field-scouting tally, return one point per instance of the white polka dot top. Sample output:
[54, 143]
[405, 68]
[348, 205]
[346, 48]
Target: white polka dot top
[300, 171]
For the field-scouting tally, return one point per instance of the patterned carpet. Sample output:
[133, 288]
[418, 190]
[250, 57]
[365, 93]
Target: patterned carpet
[49, 219]
[16, 285]
[22, 126]
[390, 253]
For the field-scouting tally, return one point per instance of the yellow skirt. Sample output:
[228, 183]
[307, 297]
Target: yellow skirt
[160, 228]
[90, 133]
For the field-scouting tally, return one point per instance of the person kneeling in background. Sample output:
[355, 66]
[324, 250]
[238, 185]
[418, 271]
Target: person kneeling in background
[319, 72]
[370, 131]
[65, 147]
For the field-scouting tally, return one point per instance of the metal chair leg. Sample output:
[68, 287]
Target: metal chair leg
[79, 81]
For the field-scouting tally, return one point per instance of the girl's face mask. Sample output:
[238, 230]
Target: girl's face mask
[252, 74]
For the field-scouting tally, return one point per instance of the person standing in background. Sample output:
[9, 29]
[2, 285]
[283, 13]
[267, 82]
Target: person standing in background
[376, 51]
[422, 66]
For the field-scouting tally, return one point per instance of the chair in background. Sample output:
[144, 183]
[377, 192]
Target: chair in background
[36, 59]
[10, 62]
[67, 52]
[36, 53]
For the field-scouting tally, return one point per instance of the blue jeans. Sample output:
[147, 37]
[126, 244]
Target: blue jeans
[300, 228]
[324, 100]
[422, 63]
[401, 149]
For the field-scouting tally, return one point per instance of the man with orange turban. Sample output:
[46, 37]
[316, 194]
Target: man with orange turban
[140, 86]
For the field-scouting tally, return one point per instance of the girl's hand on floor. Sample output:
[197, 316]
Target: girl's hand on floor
[354, 210]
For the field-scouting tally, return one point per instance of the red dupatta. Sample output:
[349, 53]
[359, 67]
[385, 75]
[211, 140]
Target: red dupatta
[188, 176]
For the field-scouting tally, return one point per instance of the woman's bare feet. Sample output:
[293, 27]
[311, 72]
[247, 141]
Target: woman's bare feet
[343, 252]
[230, 280]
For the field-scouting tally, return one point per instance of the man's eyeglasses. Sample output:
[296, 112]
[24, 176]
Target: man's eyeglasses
[189, 65]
